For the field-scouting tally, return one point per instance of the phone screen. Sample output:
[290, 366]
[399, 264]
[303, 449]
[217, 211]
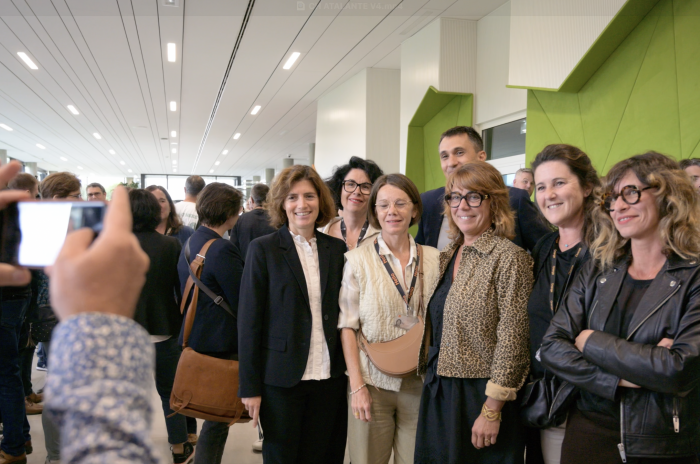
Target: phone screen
[45, 224]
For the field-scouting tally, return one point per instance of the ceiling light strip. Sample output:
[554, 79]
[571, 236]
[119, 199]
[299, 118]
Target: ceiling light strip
[239, 39]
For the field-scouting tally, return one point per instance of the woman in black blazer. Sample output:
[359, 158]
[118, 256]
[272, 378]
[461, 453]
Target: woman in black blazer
[214, 331]
[158, 310]
[292, 370]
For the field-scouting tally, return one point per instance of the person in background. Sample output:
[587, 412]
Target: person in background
[170, 223]
[384, 409]
[692, 167]
[187, 209]
[460, 145]
[628, 333]
[565, 194]
[14, 303]
[351, 185]
[215, 331]
[96, 192]
[57, 186]
[478, 356]
[27, 182]
[158, 311]
[292, 371]
[524, 180]
[254, 223]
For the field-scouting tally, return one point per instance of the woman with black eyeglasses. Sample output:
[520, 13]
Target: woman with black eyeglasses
[351, 185]
[478, 354]
[628, 335]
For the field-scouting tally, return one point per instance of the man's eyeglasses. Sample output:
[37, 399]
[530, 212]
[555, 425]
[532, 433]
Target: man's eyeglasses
[474, 199]
[630, 194]
[350, 186]
[398, 204]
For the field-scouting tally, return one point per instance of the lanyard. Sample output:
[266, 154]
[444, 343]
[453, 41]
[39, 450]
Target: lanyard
[343, 230]
[554, 276]
[395, 279]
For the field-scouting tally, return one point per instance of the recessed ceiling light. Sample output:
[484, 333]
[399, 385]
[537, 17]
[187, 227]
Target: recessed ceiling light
[174, 170]
[6, 127]
[27, 60]
[225, 152]
[173, 133]
[174, 161]
[64, 159]
[217, 163]
[80, 167]
[291, 60]
[174, 150]
[171, 52]
[256, 109]
[130, 170]
[173, 106]
[210, 171]
[96, 135]
[112, 152]
[122, 163]
[72, 109]
[41, 146]
[237, 136]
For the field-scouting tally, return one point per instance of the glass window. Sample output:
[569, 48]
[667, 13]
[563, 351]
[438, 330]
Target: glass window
[176, 187]
[505, 140]
[155, 180]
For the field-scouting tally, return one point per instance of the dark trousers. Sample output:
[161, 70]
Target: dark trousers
[14, 418]
[211, 443]
[306, 423]
[167, 356]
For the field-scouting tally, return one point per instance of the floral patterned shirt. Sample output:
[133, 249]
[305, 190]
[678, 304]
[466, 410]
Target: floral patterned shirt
[99, 390]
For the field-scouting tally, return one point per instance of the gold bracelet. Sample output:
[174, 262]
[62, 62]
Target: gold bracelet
[490, 414]
[361, 387]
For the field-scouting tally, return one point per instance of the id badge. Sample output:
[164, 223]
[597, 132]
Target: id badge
[405, 322]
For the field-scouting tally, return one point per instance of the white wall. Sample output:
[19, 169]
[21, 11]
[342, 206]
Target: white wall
[341, 122]
[383, 100]
[494, 103]
[548, 37]
[420, 64]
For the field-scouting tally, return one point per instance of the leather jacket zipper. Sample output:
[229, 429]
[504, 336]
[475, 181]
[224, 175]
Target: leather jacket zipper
[591, 314]
[676, 419]
[621, 445]
[653, 312]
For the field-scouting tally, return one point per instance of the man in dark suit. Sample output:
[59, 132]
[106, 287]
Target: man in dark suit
[458, 146]
[253, 224]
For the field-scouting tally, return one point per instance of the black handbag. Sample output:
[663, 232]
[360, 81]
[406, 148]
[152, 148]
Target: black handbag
[546, 401]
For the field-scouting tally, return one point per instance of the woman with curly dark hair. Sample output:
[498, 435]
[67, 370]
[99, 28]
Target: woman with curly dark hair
[351, 185]
[170, 223]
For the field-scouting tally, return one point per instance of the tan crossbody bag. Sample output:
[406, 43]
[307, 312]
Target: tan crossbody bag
[205, 387]
[398, 357]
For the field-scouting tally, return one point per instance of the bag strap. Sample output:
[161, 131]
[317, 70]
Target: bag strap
[195, 268]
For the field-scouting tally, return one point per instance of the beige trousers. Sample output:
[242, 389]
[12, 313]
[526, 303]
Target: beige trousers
[552, 439]
[393, 425]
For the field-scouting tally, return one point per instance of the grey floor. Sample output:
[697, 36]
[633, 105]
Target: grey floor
[238, 447]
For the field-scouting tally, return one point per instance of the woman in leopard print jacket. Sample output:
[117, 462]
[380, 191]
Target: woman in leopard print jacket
[479, 354]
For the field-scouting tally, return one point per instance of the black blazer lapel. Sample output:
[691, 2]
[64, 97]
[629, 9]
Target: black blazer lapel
[289, 251]
[324, 260]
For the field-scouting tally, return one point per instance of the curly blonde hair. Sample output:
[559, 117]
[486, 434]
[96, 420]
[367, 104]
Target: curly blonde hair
[283, 183]
[676, 200]
[479, 176]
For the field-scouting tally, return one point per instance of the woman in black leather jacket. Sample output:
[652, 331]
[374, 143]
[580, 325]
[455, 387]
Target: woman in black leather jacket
[629, 333]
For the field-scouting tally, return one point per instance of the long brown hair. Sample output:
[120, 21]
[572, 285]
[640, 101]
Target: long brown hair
[173, 221]
[284, 182]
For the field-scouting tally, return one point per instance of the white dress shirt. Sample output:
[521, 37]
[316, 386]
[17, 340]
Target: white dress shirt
[318, 366]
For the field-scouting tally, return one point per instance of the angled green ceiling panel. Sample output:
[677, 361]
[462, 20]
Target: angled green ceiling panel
[564, 115]
[687, 24]
[543, 133]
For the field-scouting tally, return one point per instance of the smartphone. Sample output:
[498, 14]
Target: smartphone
[33, 232]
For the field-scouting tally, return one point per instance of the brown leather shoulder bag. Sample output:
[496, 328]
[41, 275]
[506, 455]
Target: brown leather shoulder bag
[205, 387]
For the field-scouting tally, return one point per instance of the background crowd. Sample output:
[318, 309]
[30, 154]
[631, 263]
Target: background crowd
[561, 330]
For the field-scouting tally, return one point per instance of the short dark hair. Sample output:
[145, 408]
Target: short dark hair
[145, 210]
[217, 203]
[259, 193]
[59, 184]
[23, 181]
[174, 223]
[399, 181]
[284, 182]
[686, 163]
[469, 131]
[95, 184]
[335, 182]
[194, 185]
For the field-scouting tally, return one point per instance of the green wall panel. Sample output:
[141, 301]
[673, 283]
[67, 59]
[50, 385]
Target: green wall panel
[645, 96]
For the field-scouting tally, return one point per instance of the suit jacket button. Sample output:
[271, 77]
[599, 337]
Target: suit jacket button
[325, 318]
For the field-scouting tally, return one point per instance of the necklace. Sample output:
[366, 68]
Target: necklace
[343, 231]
